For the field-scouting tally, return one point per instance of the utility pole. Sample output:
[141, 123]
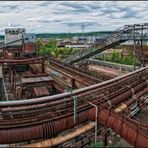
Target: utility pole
[83, 28]
[96, 122]
[75, 108]
[143, 64]
[134, 53]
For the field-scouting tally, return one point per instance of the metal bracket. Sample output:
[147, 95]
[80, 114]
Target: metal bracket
[147, 82]
[133, 92]
[75, 108]
[110, 104]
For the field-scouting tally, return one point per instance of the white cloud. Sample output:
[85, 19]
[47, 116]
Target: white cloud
[65, 16]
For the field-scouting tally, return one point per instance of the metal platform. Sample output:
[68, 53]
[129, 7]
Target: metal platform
[36, 79]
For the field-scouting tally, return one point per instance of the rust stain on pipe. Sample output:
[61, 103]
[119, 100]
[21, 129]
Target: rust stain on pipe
[61, 139]
[126, 129]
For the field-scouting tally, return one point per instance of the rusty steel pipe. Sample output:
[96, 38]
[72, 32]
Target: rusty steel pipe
[75, 92]
[48, 104]
[127, 94]
[114, 98]
[38, 108]
[82, 117]
[105, 118]
[20, 61]
[126, 129]
[59, 64]
[127, 103]
[43, 130]
[59, 128]
[71, 76]
[63, 95]
[70, 69]
[138, 95]
[61, 139]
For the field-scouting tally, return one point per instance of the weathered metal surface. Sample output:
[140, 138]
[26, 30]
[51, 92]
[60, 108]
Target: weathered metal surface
[46, 116]
[21, 61]
[41, 91]
[127, 129]
[116, 82]
[61, 139]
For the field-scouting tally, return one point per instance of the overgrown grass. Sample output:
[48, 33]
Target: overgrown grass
[100, 145]
[51, 49]
[116, 57]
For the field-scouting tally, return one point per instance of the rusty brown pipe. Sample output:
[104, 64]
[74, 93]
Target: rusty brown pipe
[127, 94]
[72, 70]
[61, 139]
[41, 131]
[58, 129]
[44, 130]
[127, 103]
[52, 103]
[114, 101]
[19, 61]
[138, 95]
[128, 130]
[75, 92]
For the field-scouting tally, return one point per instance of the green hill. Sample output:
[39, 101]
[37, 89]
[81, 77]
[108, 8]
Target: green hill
[68, 35]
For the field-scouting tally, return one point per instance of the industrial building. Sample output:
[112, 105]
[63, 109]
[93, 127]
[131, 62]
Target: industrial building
[46, 102]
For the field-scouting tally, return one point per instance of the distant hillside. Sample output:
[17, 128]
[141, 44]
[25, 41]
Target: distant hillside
[65, 35]
[68, 35]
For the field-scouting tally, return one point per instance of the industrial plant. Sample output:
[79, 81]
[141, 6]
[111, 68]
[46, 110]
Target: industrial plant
[77, 100]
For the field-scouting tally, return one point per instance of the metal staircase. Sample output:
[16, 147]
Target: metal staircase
[128, 32]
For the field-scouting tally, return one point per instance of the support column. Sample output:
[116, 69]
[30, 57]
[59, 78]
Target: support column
[73, 84]
[75, 108]
[43, 65]
[141, 43]
[105, 140]
[134, 53]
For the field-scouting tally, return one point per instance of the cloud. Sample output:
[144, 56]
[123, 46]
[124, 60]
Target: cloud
[79, 24]
[65, 16]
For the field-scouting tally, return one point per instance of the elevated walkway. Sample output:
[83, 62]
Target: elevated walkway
[126, 33]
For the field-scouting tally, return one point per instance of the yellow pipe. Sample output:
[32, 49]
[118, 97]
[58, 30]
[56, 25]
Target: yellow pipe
[120, 108]
[61, 139]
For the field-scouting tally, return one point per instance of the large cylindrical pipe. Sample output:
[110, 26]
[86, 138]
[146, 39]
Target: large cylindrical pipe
[120, 98]
[42, 130]
[127, 103]
[75, 92]
[126, 129]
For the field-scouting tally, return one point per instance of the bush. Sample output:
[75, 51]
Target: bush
[51, 49]
[116, 57]
[98, 144]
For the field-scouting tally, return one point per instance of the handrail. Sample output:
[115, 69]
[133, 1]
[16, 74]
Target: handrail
[121, 67]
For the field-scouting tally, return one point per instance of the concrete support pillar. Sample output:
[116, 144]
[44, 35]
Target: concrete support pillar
[43, 66]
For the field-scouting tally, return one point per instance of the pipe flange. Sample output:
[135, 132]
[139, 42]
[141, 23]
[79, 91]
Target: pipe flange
[128, 86]
[147, 82]
[135, 97]
[110, 103]
[133, 92]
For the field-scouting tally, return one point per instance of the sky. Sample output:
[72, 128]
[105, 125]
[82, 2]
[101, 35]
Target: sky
[70, 16]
